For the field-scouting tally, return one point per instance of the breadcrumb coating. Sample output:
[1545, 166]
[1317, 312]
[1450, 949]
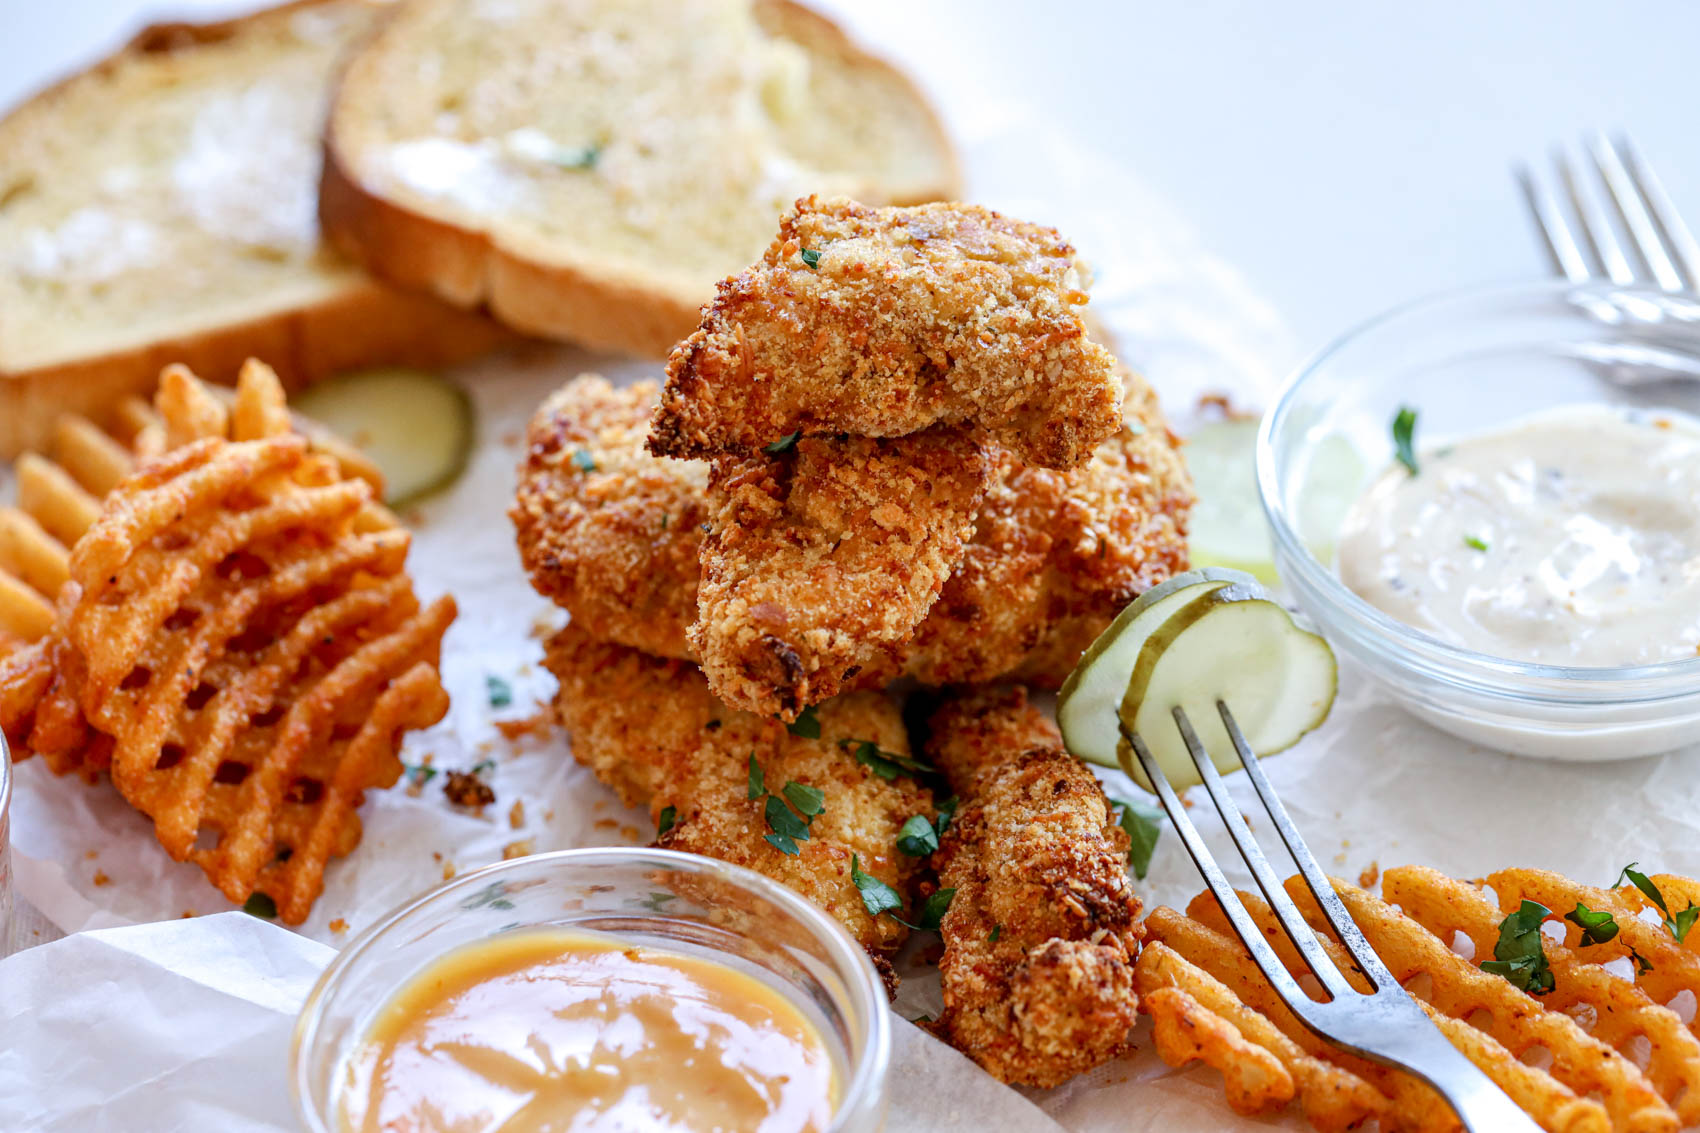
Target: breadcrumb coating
[880, 322]
[604, 529]
[820, 562]
[1041, 936]
[651, 729]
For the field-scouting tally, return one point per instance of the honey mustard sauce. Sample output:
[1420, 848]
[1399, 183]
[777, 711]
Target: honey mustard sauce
[553, 1031]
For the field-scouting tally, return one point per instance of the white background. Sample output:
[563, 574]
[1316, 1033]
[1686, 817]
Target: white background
[1345, 156]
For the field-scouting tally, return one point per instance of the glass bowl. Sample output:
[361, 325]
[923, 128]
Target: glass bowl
[662, 898]
[1471, 362]
[5, 845]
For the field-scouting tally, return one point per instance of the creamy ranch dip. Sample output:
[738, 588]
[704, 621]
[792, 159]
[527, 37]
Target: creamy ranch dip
[1570, 537]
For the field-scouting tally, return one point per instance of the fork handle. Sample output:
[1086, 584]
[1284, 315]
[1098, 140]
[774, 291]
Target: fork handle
[1479, 1103]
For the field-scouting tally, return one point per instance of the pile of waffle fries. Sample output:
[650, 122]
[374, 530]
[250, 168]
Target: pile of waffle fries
[1611, 1046]
[214, 609]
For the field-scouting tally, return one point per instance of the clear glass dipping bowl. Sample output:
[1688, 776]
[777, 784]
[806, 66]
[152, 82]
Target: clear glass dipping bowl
[1468, 363]
[5, 845]
[661, 898]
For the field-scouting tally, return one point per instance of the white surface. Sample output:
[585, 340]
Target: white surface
[1274, 130]
[1345, 156]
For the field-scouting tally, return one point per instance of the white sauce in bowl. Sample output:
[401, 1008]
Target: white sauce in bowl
[1571, 537]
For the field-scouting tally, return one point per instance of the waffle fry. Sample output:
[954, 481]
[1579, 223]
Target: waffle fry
[1569, 1058]
[237, 643]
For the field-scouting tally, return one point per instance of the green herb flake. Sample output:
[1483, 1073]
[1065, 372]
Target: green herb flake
[483, 767]
[807, 724]
[1518, 956]
[997, 931]
[811, 258]
[1677, 924]
[260, 905]
[669, 819]
[581, 157]
[947, 811]
[1597, 927]
[1143, 823]
[1475, 543]
[583, 461]
[888, 765]
[781, 843]
[418, 775]
[933, 910]
[501, 694]
[1404, 432]
[783, 821]
[758, 784]
[1642, 964]
[877, 896]
[809, 801]
[918, 839]
[783, 444]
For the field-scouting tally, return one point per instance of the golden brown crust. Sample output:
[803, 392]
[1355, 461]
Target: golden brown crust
[588, 301]
[651, 729]
[615, 543]
[910, 317]
[1042, 933]
[820, 562]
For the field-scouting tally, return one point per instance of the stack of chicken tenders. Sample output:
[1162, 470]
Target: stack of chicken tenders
[890, 454]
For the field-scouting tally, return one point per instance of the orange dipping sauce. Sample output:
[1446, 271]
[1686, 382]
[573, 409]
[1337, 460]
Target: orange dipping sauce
[554, 1031]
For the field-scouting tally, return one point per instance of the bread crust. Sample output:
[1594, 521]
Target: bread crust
[588, 300]
[362, 324]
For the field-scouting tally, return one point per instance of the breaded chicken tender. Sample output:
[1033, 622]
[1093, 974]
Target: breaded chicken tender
[880, 322]
[820, 562]
[1053, 557]
[650, 729]
[1041, 936]
[605, 530]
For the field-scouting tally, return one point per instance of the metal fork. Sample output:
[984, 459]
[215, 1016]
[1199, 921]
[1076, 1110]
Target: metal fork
[1386, 1025]
[1662, 244]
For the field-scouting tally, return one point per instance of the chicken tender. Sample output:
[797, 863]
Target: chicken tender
[880, 322]
[820, 562]
[1041, 936]
[651, 729]
[605, 530]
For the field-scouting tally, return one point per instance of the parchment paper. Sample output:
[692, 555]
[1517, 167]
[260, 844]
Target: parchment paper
[210, 997]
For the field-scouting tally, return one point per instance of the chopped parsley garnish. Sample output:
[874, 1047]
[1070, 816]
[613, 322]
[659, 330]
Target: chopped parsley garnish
[1518, 956]
[997, 931]
[917, 838]
[1677, 925]
[584, 157]
[1143, 823]
[887, 765]
[1642, 964]
[483, 766]
[1597, 926]
[669, 819]
[1475, 543]
[783, 444]
[878, 897]
[500, 692]
[947, 811]
[807, 724]
[260, 905]
[809, 801]
[811, 258]
[758, 784]
[933, 910]
[583, 461]
[419, 775]
[1404, 430]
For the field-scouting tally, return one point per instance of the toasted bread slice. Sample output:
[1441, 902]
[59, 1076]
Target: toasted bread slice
[160, 208]
[588, 169]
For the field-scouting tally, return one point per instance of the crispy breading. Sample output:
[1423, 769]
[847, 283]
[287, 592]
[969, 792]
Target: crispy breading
[651, 729]
[1054, 555]
[880, 322]
[820, 562]
[605, 530]
[1040, 938]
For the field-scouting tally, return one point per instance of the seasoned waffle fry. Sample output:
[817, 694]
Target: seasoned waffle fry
[237, 644]
[24, 614]
[1621, 1010]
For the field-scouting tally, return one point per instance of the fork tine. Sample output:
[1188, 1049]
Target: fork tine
[1282, 905]
[1597, 231]
[1261, 953]
[1320, 887]
[1555, 232]
[1684, 249]
[1637, 221]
